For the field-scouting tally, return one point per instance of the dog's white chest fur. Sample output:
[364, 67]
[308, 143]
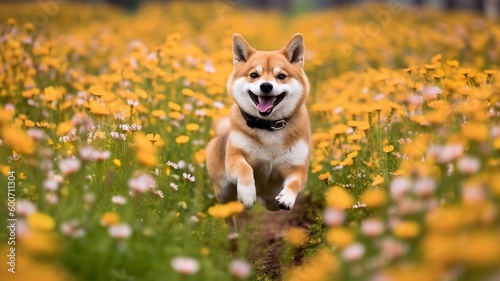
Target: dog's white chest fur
[271, 149]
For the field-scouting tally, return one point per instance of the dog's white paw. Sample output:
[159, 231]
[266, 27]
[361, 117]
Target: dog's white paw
[247, 195]
[286, 199]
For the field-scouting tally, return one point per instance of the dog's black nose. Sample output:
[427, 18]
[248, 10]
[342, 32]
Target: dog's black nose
[266, 87]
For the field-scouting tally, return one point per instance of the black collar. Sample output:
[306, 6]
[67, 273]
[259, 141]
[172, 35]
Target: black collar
[271, 125]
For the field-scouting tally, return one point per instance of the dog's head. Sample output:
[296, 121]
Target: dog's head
[268, 85]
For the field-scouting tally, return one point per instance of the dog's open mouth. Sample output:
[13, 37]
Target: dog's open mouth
[265, 104]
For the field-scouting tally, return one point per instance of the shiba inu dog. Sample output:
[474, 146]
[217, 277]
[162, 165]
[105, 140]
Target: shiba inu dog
[263, 151]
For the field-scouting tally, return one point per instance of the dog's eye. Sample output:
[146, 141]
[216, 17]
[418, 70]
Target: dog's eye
[254, 75]
[281, 76]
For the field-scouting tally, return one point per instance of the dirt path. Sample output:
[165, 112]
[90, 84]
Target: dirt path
[265, 231]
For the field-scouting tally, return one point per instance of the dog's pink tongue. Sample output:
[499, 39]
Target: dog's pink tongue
[265, 103]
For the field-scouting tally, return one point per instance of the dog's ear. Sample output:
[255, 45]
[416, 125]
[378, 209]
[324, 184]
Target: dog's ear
[241, 49]
[294, 50]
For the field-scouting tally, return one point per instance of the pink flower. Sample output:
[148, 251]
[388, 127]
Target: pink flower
[399, 186]
[240, 268]
[353, 252]
[188, 177]
[141, 183]
[120, 231]
[72, 229]
[89, 153]
[372, 227]
[409, 206]
[69, 165]
[392, 248]
[445, 154]
[473, 194]
[159, 193]
[119, 200]
[185, 265]
[334, 217]
[430, 92]
[52, 198]
[86, 152]
[101, 155]
[424, 186]
[37, 134]
[25, 207]
[468, 165]
[415, 100]
[51, 184]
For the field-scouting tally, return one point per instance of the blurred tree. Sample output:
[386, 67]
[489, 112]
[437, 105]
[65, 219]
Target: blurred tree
[127, 4]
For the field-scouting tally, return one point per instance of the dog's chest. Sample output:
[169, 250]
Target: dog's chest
[271, 150]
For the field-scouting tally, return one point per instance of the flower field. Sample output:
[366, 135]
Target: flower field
[105, 115]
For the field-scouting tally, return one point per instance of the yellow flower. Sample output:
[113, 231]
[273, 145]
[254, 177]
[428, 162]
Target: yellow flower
[175, 115]
[226, 210]
[430, 66]
[453, 63]
[436, 58]
[373, 198]
[146, 153]
[200, 156]
[192, 127]
[42, 124]
[41, 221]
[100, 134]
[444, 220]
[4, 170]
[153, 138]
[353, 137]
[339, 237]
[476, 131]
[321, 266]
[352, 154]
[97, 90]
[324, 176]
[158, 113]
[346, 162]
[52, 94]
[39, 243]
[174, 106]
[117, 162]
[187, 92]
[339, 129]
[356, 123]
[377, 180]
[337, 197]
[296, 236]
[204, 251]
[11, 21]
[141, 93]
[388, 148]
[479, 248]
[28, 123]
[490, 72]
[64, 127]
[407, 230]
[109, 218]
[18, 140]
[182, 139]
[6, 115]
[411, 272]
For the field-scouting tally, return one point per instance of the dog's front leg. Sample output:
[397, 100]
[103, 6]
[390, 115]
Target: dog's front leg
[293, 184]
[241, 173]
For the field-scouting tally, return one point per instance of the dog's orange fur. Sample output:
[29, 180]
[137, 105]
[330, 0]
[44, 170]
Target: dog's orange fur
[245, 163]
